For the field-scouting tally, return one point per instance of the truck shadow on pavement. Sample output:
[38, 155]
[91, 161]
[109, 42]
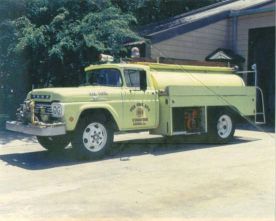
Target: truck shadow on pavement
[122, 150]
[8, 137]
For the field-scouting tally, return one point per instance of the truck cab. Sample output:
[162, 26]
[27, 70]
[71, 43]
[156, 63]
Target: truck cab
[137, 107]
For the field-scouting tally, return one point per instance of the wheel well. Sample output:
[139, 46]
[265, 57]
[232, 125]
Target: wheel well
[102, 114]
[230, 109]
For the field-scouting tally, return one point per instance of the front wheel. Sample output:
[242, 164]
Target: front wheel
[221, 127]
[92, 138]
[55, 143]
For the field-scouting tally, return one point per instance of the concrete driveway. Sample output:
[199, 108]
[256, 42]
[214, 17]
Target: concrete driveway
[142, 179]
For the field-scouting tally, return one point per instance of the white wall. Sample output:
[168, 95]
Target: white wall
[194, 45]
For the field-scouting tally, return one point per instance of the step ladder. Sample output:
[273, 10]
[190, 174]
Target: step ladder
[258, 90]
[262, 113]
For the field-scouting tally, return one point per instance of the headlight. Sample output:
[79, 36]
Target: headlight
[57, 110]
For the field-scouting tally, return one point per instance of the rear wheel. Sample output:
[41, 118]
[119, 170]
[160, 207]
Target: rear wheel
[55, 143]
[93, 137]
[221, 127]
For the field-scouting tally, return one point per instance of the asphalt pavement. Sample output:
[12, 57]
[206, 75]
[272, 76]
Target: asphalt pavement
[143, 178]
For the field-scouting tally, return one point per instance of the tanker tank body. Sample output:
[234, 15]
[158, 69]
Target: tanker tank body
[174, 75]
[198, 91]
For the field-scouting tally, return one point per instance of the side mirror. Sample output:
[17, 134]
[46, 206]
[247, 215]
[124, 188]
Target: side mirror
[143, 81]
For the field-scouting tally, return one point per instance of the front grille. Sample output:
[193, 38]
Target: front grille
[40, 96]
[43, 108]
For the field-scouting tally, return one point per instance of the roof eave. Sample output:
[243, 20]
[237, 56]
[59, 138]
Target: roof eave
[182, 29]
[251, 11]
[145, 29]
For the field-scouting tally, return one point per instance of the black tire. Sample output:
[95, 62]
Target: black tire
[221, 127]
[55, 143]
[93, 137]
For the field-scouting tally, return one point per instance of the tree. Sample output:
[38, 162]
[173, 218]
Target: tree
[11, 9]
[11, 68]
[57, 39]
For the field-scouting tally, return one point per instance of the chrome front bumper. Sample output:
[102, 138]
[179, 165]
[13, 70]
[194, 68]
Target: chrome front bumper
[37, 130]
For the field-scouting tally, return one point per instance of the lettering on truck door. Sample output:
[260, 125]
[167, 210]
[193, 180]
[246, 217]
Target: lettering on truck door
[139, 107]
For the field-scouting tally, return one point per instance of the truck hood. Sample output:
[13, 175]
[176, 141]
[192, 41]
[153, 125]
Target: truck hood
[70, 94]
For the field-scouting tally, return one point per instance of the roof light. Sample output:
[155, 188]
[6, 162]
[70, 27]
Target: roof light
[106, 58]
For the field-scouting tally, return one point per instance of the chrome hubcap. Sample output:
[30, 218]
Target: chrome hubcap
[94, 137]
[224, 126]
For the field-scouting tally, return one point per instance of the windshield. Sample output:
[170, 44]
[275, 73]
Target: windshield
[104, 77]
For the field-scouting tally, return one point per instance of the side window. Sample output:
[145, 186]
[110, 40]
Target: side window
[105, 77]
[132, 77]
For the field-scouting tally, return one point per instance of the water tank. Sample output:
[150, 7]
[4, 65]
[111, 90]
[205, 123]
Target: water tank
[166, 75]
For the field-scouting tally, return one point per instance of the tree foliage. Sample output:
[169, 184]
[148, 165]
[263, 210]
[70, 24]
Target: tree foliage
[148, 11]
[57, 39]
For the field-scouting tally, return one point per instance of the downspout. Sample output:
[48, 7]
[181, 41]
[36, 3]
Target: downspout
[235, 38]
[234, 33]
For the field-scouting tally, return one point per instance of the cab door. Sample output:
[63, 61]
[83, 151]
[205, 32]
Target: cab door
[139, 105]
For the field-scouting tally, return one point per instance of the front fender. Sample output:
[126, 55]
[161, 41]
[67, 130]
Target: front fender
[74, 111]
